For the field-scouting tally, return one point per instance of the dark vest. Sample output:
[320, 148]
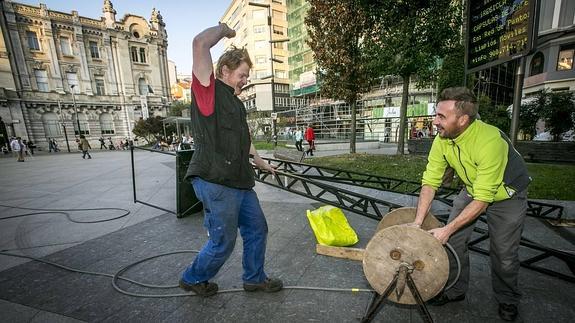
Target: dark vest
[222, 142]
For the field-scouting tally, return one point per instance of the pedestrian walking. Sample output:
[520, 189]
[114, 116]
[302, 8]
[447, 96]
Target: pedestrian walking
[299, 139]
[310, 138]
[102, 143]
[18, 148]
[85, 146]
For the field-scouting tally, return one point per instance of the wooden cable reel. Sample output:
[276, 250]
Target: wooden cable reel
[395, 246]
[401, 250]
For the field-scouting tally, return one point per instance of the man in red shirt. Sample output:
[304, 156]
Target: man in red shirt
[310, 138]
[220, 170]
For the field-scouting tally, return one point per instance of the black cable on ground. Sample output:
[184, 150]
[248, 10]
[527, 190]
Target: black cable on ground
[65, 212]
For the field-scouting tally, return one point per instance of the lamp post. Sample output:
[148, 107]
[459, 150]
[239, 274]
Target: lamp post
[75, 109]
[272, 60]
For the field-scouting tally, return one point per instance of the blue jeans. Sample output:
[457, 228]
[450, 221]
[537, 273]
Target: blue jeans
[225, 210]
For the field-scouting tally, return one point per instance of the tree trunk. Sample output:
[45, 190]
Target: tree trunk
[402, 115]
[353, 128]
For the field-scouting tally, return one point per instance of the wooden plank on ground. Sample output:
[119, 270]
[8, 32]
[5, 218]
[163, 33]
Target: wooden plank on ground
[340, 252]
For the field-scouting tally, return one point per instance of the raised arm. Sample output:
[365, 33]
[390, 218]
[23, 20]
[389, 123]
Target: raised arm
[203, 42]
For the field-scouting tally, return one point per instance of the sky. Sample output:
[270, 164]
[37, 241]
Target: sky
[183, 19]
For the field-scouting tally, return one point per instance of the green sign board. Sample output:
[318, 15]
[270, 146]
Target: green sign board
[498, 31]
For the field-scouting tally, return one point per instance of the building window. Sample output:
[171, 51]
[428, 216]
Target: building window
[260, 74]
[260, 59]
[260, 44]
[278, 30]
[259, 29]
[258, 14]
[567, 13]
[280, 74]
[94, 52]
[134, 54]
[143, 86]
[107, 124]
[32, 40]
[565, 60]
[279, 15]
[73, 84]
[142, 55]
[65, 46]
[51, 125]
[546, 14]
[279, 45]
[42, 80]
[537, 63]
[100, 88]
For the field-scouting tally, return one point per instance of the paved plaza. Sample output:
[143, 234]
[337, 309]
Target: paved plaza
[32, 291]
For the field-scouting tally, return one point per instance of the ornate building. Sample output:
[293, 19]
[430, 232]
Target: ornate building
[63, 73]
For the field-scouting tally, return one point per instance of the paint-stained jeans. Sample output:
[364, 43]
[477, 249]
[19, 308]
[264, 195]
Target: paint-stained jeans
[225, 210]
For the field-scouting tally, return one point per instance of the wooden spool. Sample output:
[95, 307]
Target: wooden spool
[392, 246]
[405, 215]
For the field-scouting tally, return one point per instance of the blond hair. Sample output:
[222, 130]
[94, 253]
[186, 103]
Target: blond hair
[233, 58]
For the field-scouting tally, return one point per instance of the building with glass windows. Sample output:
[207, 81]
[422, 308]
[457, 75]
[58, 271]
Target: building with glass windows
[89, 76]
[551, 64]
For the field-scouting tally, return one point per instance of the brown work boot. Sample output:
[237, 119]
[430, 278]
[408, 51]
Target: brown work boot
[204, 289]
[270, 285]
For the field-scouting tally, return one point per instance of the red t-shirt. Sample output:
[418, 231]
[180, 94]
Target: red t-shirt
[309, 134]
[204, 95]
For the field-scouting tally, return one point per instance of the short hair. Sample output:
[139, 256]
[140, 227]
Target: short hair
[232, 58]
[465, 100]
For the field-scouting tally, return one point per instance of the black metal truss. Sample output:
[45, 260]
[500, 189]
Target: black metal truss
[532, 262]
[345, 199]
[444, 194]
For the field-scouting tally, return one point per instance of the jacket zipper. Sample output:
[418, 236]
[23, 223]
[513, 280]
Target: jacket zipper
[460, 162]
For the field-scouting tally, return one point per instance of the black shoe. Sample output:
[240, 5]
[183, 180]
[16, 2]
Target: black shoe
[508, 312]
[269, 285]
[204, 289]
[443, 299]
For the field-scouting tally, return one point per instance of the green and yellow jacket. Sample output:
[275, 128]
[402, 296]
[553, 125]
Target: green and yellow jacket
[483, 158]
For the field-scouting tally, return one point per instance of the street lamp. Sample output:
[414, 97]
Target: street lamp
[75, 109]
[272, 60]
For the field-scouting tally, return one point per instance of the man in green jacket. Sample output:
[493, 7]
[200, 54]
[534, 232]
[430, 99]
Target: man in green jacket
[496, 180]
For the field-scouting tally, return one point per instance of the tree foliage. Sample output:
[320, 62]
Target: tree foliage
[556, 108]
[149, 129]
[452, 71]
[495, 115]
[337, 31]
[177, 107]
[408, 38]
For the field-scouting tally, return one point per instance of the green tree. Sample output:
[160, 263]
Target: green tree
[177, 107]
[408, 38]
[337, 31]
[149, 129]
[558, 113]
[452, 71]
[497, 116]
[529, 115]
[557, 109]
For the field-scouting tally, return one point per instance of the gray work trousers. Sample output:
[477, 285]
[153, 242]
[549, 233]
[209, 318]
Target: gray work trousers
[505, 223]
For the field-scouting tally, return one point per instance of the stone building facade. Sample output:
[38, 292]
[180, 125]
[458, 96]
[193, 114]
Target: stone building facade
[61, 73]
